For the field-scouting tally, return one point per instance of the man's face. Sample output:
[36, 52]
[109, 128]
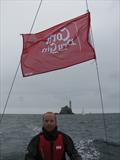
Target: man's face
[49, 121]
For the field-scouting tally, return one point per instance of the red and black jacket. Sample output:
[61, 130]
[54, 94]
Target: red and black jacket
[52, 150]
[51, 146]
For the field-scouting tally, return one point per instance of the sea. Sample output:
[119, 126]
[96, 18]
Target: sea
[92, 139]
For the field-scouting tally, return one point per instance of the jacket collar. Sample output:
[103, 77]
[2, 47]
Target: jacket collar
[52, 135]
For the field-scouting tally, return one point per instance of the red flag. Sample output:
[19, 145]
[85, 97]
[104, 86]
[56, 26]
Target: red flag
[61, 46]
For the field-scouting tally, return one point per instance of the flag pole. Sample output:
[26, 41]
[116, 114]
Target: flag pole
[10, 91]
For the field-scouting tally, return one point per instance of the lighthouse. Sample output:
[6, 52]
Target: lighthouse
[70, 104]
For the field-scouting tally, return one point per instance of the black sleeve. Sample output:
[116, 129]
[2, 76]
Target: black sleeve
[70, 148]
[32, 150]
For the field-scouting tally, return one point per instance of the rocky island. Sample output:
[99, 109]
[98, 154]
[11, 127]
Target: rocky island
[66, 109]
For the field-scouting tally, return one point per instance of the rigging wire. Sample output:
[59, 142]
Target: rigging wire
[87, 6]
[100, 90]
[36, 16]
[10, 91]
[101, 97]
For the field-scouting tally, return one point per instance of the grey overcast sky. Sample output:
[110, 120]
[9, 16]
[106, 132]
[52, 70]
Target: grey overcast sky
[53, 90]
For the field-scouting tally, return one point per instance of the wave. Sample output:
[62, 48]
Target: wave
[34, 129]
[98, 149]
[108, 150]
[87, 150]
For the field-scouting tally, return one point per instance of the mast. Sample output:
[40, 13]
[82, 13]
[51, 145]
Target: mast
[83, 111]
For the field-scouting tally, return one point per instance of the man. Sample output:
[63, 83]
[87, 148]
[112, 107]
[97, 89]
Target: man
[51, 144]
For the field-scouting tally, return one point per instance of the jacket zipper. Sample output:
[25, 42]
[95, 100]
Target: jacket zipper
[52, 150]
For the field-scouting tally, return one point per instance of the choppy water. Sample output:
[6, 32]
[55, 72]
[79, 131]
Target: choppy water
[87, 131]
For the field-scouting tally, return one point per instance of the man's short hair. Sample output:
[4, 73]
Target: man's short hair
[49, 113]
